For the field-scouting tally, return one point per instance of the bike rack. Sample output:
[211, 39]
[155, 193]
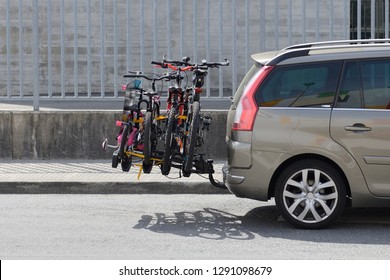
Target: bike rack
[203, 166]
[200, 164]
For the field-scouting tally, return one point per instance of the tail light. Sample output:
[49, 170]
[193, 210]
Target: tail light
[247, 107]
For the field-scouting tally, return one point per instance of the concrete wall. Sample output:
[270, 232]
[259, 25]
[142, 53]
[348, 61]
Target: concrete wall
[79, 135]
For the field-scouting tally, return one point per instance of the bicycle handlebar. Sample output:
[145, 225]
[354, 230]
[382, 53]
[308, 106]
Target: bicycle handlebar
[176, 64]
[213, 64]
[142, 75]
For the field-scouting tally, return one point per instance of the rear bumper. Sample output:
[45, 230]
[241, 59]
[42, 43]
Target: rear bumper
[238, 182]
[229, 178]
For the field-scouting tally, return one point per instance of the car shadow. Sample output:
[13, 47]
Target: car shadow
[355, 226]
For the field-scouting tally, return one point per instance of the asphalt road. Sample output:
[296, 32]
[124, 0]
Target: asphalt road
[177, 227]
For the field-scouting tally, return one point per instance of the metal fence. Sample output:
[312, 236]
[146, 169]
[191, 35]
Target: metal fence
[79, 49]
[369, 19]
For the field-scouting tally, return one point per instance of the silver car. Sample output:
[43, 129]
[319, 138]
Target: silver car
[310, 126]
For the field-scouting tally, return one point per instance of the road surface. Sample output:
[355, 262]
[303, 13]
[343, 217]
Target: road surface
[177, 227]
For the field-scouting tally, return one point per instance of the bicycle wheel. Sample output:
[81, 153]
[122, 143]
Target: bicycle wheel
[126, 164]
[169, 140]
[147, 163]
[125, 137]
[125, 160]
[194, 121]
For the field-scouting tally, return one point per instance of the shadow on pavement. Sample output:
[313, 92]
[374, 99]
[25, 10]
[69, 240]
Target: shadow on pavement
[356, 226]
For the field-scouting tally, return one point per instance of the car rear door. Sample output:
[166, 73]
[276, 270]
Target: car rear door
[360, 121]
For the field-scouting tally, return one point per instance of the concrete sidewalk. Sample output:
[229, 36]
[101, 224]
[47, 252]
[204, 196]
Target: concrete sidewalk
[96, 177]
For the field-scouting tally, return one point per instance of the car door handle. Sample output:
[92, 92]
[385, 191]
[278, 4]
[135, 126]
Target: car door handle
[357, 127]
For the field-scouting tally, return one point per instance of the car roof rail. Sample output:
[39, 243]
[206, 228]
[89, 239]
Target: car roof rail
[305, 48]
[336, 43]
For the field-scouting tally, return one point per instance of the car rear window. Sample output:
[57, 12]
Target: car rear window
[300, 85]
[252, 71]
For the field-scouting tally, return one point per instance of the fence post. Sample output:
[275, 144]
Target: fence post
[36, 56]
[8, 48]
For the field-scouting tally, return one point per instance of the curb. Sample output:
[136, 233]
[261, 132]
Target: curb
[110, 188]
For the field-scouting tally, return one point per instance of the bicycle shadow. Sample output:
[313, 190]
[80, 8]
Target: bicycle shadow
[208, 223]
[265, 221]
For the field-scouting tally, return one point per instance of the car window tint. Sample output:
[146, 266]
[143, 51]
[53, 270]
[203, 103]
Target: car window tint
[301, 85]
[376, 83]
[349, 95]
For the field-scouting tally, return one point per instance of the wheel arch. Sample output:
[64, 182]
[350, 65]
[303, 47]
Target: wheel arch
[275, 176]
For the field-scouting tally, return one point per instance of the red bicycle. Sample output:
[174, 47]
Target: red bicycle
[183, 133]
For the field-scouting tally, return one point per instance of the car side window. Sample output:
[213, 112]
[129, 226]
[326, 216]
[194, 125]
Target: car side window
[376, 83]
[349, 95]
[301, 85]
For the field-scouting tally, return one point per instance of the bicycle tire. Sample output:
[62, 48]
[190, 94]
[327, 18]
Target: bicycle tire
[125, 137]
[124, 159]
[126, 164]
[194, 121]
[147, 142]
[166, 163]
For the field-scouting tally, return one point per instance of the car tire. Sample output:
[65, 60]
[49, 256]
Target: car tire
[310, 194]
